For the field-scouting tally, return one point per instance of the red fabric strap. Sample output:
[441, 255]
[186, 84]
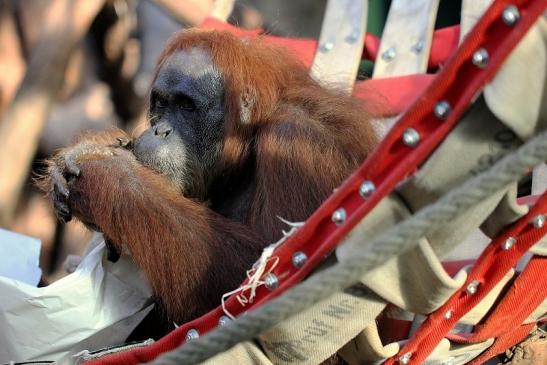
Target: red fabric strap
[391, 96]
[505, 323]
[526, 295]
[503, 342]
[444, 42]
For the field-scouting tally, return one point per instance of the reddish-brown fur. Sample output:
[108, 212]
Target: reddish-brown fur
[303, 140]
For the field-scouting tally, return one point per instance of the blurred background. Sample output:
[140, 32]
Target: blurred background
[73, 65]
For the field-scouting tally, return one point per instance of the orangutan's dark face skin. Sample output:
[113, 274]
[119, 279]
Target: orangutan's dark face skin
[186, 121]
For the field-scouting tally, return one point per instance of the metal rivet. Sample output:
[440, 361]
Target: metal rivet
[223, 320]
[480, 58]
[327, 46]
[508, 243]
[510, 15]
[192, 335]
[339, 216]
[411, 137]
[472, 287]
[353, 36]
[271, 282]
[299, 259]
[366, 189]
[538, 221]
[448, 314]
[389, 54]
[442, 110]
[418, 47]
[405, 359]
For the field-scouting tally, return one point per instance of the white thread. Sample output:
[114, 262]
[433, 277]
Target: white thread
[259, 270]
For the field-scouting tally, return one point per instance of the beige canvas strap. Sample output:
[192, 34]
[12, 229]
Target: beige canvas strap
[517, 93]
[222, 9]
[448, 352]
[319, 332]
[405, 46]
[406, 39]
[341, 43]
[367, 348]
[415, 280]
[478, 141]
[540, 314]
[539, 180]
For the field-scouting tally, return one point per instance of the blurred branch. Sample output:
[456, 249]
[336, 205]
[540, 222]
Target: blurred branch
[222, 9]
[191, 12]
[12, 64]
[66, 23]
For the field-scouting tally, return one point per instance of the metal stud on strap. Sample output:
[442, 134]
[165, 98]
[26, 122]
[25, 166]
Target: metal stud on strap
[271, 282]
[508, 243]
[472, 287]
[442, 110]
[366, 189]
[510, 15]
[339, 216]
[299, 259]
[405, 359]
[411, 137]
[192, 335]
[538, 221]
[480, 58]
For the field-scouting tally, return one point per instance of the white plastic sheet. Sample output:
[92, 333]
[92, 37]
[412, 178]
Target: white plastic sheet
[98, 305]
[19, 257]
